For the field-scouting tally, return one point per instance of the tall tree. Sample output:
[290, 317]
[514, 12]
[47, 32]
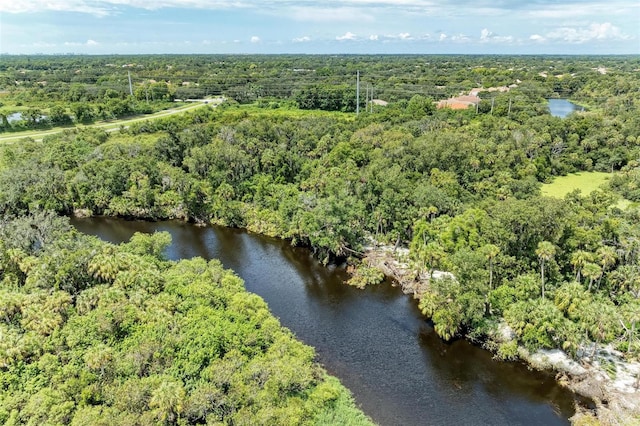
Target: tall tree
[545, 252]
[579, 259]
[606, 258]
[490, 252]
[592, 272]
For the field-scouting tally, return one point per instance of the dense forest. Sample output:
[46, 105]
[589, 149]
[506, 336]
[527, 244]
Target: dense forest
[98, 334]
[59, 90]
[287, 156]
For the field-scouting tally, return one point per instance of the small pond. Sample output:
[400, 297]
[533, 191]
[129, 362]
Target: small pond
[562, 107]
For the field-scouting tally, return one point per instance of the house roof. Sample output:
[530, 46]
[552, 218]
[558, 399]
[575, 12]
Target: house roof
[460, 102]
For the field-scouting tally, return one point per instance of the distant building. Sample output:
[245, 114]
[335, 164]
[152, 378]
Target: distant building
[460, 102]
[379, 102]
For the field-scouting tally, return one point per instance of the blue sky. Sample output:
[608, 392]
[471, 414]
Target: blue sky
[311, 26]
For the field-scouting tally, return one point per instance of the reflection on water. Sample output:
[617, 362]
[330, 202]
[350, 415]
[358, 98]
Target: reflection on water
[562, 107]
[374, 340]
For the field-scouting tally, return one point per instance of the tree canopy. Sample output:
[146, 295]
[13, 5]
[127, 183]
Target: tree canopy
[94, 333]
[459, 189]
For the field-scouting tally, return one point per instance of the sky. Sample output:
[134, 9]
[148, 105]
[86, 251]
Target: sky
[320, 27]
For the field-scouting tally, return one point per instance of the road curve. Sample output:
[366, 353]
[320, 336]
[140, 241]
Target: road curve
[115, 125]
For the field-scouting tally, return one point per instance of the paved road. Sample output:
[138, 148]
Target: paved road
[113, 126]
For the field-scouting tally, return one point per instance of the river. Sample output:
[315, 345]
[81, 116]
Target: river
[374, 340]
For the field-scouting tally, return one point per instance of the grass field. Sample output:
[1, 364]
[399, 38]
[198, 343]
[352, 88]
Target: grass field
[586, 182]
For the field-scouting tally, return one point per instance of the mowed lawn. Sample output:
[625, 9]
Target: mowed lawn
[586, 182]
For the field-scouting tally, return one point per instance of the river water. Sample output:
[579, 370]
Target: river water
[374, 340]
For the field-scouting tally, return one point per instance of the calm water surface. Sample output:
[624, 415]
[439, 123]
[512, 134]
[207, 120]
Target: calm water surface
[374, 340]
[562, 107]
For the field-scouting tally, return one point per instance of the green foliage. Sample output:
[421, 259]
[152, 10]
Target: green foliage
[538, 324]
[327, 97]
[461, 189]
[365, 275]
[158, 342]
[450, 307]
[508, 351]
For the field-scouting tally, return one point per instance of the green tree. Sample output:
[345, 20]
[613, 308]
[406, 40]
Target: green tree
[168, 401]
[592, 272]
[545, 252]
[58, 116]
[490, 251]
[431, 255]
[579, 259]
[607, 258]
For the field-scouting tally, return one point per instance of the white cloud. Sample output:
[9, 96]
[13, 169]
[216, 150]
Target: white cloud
[332, 10]
[487, 36]
[304, 9]
[570, 10]
[460, 38]
[594, 32]
[400, 36]
[347, 36]
[401, 24]
[31, 6]
[87, 43]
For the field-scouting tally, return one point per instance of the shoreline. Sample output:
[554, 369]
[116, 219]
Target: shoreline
[616, 399]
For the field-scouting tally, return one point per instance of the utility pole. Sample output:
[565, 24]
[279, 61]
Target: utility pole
[358, 92]
[372, 99]
[509, 113]
[130, 85]
[492, 101]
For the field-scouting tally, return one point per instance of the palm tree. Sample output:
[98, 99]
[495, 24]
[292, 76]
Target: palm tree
[545, 253]
[168, 401]
[631, 313]
[490, 252]
[591, 271]
[627, 277]
[579, 258]
[432, 255]
[606, 258]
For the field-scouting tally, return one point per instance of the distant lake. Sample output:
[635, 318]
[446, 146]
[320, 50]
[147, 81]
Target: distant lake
[562, 107]
[16, 116]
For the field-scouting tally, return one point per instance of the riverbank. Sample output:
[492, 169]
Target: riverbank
[375, 340]
[394, 264]
[610, 381]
